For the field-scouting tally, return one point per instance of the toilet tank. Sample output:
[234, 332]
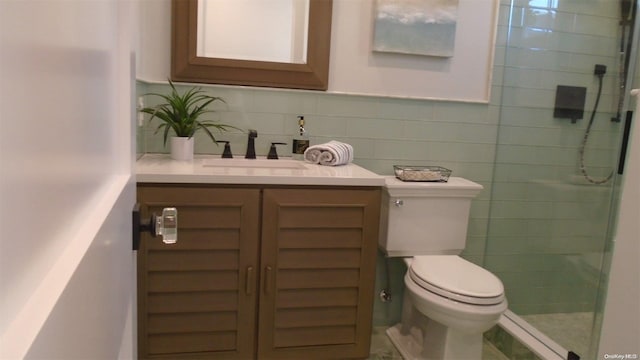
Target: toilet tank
[425, 218]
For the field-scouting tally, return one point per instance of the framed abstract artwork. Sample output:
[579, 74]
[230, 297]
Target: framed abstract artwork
[420, 27]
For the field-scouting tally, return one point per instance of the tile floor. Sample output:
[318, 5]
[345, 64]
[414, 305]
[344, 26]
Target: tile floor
[571, 330]
[383, 349]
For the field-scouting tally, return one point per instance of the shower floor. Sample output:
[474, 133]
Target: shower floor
[570, 330]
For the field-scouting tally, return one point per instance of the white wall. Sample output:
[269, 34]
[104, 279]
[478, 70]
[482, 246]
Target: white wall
[354, 69]
[154, 59]
[54, 102]
[66, 158]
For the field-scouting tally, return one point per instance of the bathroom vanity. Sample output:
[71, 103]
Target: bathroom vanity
[274, 259]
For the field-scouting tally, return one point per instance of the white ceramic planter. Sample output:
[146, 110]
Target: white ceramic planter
[182, 148]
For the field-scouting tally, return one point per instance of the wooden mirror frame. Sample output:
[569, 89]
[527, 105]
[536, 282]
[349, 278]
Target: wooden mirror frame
[188, 67]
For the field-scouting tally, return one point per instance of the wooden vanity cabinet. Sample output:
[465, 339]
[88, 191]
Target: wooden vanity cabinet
[321, 246]
[197, 297]
[259, 273]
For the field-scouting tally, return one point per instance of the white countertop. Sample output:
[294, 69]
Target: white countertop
[210, 169]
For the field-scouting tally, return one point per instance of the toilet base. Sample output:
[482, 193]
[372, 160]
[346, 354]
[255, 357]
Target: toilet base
[437, 342]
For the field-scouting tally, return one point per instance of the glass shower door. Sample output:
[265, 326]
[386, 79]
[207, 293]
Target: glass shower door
[555, 174]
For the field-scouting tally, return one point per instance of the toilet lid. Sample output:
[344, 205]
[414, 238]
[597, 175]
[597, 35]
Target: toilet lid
[457, 279]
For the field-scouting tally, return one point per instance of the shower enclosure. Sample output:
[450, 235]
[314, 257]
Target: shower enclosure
[568, 66]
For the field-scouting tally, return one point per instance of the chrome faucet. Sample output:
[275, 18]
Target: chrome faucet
[251, 146]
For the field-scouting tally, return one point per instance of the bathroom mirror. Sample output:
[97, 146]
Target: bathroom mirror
[307, 68]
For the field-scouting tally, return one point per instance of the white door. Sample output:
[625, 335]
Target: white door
[67, 80]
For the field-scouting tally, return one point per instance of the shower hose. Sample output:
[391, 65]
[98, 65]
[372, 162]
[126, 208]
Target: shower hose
[583, 168]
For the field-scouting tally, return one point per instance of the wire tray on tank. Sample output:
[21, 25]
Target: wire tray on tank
[422, 173]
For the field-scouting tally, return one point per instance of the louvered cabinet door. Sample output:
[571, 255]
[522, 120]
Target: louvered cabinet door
[318, 270]
[197, 298]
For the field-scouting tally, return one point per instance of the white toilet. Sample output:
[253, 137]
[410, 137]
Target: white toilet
[448, 302]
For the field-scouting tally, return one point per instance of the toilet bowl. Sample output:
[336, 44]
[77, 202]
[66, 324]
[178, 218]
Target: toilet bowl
[448, 301]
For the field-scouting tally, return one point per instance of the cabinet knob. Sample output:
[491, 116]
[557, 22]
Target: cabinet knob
[398, 202]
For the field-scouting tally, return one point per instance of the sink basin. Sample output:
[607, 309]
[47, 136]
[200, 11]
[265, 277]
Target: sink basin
[255, 163]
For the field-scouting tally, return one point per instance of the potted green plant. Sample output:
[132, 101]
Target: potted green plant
[181, 113]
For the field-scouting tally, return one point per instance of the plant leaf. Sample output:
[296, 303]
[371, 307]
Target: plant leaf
[181, 112]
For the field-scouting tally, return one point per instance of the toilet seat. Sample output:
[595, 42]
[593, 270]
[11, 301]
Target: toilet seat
[452, 277]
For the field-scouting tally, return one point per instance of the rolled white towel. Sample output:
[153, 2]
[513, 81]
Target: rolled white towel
[332, 153]
[347, 151]
[328, 158]
[337, 153]
[312, 154]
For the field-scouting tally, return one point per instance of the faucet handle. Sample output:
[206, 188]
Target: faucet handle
[226, 154]
[251, 147]
[273, 154]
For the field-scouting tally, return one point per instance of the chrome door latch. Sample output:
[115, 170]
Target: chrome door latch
[165, 225]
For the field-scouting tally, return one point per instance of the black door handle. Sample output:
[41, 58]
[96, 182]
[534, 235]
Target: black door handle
[165, 225]
[625, 141]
